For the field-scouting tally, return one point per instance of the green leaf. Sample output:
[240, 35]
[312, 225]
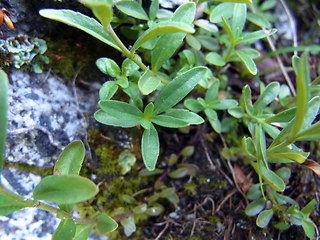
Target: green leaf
[102, 9]
[129, 225]
[168, 44]
[236, 112]
[163, 27]
[238, 19]
[105, 118]
[71, 159]
[107, 90]
[258, 19]
[260, 142]
[105, 224]
[222, 104]
[193, 105]
[264, 218]
[271, 178]
[246, 58]
[267, 5]
[249, 146]
[246, 96]
[254, 192]
[132, 9]
[222, 9]
[108, 66]
[206, 25]
[284, 173]
[65, 189]
[169, 121]
[185, 115]
[148, 83]
[82, 232]
[309, 208]
[129, 67]
[249, 38]
[303, 79]
[155, 210]
[215, 59]
[193, 42]
[121, 110]
[309, 228]
[256, 206]
[178, 88]
[82, 22]
[310, 134]
[150, 147]
[154, 8]
[267, 96]
[9, 205]
[3, 114]
[294, 154]
[66, 230]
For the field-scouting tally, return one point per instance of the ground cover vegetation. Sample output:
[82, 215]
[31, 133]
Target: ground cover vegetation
[193, 90]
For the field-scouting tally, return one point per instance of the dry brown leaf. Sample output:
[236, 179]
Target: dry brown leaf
[313, 165]
[241, 178]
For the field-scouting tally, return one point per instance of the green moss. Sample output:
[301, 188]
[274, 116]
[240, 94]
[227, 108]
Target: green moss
[30, 168]
[190, 189]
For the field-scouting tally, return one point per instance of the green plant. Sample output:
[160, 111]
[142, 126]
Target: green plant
[64, 188]
[154, 82]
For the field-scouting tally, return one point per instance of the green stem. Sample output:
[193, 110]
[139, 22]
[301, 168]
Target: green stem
[128, 54]
[43, 206]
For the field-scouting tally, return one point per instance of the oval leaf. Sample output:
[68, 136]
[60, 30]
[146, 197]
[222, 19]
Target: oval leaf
[108, 66]
[65, 189]
[102, 9]
[106, 224]
[168, 121]
[82, 231]
[71, 159]
[105, 118]
[66, 230]
[150, 147]
[148, 83]
[264, 218]
[256, 206]
[132, 9]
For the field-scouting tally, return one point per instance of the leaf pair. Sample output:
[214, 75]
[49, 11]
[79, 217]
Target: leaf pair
[121, 114]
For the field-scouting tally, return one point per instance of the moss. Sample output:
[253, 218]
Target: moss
[190, 189]
[30, 168]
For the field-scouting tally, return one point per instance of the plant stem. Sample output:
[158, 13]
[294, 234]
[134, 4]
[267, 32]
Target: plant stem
[128, 54]
[41, 205]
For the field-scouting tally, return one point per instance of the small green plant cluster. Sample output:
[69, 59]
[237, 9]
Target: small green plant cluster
[177, 58]
[23, 52]
[65, 187]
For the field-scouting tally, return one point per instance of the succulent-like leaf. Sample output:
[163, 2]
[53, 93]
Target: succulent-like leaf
[256, 206]
[222, 9]
[177, 89]
[71, 159]
[102, 9]
[215, 59]
[65, 189]
[107, 90]
[108, 66]
[154, 8]
[264, 218]
[150, 147]
[82, 22]
[128, 225]
[3, 114]
[129, 67]
[132, 9]
[247, 59]
[66, 230]
[148, 83]
[105, 224]
[82, 231]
